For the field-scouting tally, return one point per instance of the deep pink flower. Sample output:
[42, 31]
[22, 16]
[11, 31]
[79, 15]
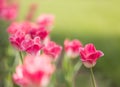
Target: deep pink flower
[35, 71]
[72, 47]
[32, 46]
[40, 32]
[17, 39]
[89, 55]
[52, 49]
[46, 20]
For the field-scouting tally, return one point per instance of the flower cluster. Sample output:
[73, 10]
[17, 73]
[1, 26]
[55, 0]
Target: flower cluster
[8, 11]
[34, 37]
[34, 40]
[89, 54]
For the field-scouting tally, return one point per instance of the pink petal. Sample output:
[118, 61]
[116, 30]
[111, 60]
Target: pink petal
[89, 48]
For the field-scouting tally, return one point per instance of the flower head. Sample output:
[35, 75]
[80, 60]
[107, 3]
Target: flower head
[35, 71]
[89, 55]
[52, 49]
[46, 20]
[9, 12]
[32, 46]
[72, 47]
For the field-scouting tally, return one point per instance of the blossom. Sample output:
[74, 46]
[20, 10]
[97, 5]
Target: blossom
[72, 47]
[46, 20]
[23, 27]
[17, 39]
[9, 12]
[89, 55]
[39, 31]
[35, 71]
[32, 46]
[52, 49]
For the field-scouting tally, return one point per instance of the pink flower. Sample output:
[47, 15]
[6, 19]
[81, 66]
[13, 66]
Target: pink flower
[17, 39]
[31, 12]
[13, 28]
[24, 27]
[32, 46]
[72, 47]
[9, 12]
[40, 32]
[52, 49]
[46, 20]
[35, 71]
[89, 55]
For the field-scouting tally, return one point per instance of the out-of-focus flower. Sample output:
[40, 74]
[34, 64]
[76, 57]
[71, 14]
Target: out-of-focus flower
[32, 46]
[52, 49]
[23, 27]
[89, 55]
[31, 12]
[35, 71]
[72, 47]
[46, 20]
[9, 12]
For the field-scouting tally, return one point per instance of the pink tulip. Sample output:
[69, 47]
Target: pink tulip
[72, 47]
[32, 46]
[9, 12]
[52, 49]
[40, 32]
[17, 39]
[46, 20]
[24, 27]
[89, 55]
[35, 71]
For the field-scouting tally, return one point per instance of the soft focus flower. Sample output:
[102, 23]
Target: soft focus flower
[72, 47]
[23, 27]
[32, 46]
[89, 55]
[52, 49]
[9, 12]
[35, 71]
[31, 12]
[46, 20]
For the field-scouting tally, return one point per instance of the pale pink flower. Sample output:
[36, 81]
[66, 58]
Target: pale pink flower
[46, 20]
[31, 12]
[13, 28]
[52, 49]
[89, 55]
[32, 46]
[35, 71]
[9, 12]
[24, 27]
[72, 47]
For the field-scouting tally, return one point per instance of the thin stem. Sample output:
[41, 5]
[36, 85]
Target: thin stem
[93, 78]
[20, 53]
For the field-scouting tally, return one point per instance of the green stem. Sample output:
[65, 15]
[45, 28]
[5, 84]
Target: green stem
[93, 78]
[20, 53]
[76, 70]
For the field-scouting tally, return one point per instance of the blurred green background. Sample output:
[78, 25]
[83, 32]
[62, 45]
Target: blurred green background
[90, 21]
